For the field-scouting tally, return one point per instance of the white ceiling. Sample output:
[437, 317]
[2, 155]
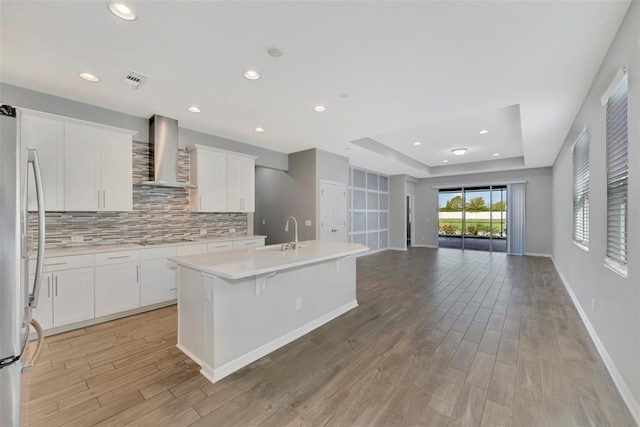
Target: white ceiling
[437, 72]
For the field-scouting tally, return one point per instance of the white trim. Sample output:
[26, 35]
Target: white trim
[371, 252]
[484, 184]
[581, 246]
[537, 254]
[632, 404]
[425, 246]
[391, 248]
[607, 93]
[616, 267]
[216, 374]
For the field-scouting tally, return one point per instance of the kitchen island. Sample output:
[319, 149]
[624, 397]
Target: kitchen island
[237, 306]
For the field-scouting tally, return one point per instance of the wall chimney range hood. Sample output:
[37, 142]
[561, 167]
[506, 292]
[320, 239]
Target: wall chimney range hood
[163, 136]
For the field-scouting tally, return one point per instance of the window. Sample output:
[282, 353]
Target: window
[581, 190]
[615, 101]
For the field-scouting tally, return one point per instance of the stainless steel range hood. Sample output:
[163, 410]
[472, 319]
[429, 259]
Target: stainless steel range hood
[163, 136]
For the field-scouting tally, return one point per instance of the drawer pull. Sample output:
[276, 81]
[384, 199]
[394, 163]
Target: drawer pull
[55, 263]
[250, 243]
[173, 289]
[118, 257]
[221, 246]
[173, 268]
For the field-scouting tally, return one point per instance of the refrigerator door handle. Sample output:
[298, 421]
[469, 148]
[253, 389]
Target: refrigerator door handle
[32, 158]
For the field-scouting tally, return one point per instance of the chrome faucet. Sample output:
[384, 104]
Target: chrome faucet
[295, 225]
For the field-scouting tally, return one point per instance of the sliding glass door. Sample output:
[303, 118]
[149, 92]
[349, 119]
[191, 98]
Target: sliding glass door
[473, 218]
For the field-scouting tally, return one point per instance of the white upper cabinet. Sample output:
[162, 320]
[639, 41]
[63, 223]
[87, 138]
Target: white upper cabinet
[208, 171]
[241, 177]
[98, 170]
[47, 137]
[85, 166]
[225, 180]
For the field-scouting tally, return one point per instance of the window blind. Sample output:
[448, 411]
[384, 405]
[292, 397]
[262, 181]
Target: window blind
[581, 189]
[617, 171]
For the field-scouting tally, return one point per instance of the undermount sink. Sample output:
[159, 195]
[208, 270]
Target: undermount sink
[277, 248]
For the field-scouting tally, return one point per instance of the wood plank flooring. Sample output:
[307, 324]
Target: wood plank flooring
[441, 337]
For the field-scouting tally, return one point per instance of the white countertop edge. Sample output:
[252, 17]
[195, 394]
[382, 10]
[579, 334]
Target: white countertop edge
[96, 249]
[180, 261]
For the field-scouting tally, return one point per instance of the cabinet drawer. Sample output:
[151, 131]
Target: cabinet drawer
[156, 269]
[192, 249]
[156, 253]
[249, 243]
[106, 258]
[219, 246]
[63, 263]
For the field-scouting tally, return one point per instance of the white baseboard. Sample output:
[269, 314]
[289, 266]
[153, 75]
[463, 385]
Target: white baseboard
[537, 254]
[397, 249]
[216, 374]
[425, 246]
[371, 252]
[625, 392]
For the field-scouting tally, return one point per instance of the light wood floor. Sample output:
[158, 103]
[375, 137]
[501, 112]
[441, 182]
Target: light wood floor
[441, 337]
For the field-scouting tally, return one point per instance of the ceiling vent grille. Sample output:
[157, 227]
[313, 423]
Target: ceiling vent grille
[135, 79]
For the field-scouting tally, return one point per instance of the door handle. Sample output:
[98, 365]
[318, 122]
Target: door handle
[32, 158]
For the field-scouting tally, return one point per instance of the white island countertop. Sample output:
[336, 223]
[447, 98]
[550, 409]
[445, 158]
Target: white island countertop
[243, 263]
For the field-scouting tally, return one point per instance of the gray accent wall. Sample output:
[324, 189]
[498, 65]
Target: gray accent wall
[39, 101]
[296, 193]
[538, 205]
[615, 321]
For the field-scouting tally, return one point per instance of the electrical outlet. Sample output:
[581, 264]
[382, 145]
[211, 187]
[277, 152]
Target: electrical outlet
[307, 223]
[77, 239]
[232, 230]
[299, 304]
[203, 231]
[264, 221]
[593, 305]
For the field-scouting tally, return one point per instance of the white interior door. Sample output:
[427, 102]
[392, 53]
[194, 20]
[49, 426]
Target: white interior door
[333, 211]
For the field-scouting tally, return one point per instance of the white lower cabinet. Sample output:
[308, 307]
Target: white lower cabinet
[159, 276]
[117, 282]
[66, 297]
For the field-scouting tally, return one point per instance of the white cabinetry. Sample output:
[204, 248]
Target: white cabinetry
[117, 282]
[241, 178]
[248, 243]
[219, 246]
[67, 292]
[97, 169]
[225, 180]
[209, 174]
[47, 137]
[159, 276]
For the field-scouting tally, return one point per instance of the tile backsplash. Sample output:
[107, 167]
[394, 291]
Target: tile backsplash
[159, 214]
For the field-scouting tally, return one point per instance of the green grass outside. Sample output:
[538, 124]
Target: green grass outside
[474, 227]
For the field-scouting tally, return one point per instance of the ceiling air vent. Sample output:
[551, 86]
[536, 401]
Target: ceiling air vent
[135, 79]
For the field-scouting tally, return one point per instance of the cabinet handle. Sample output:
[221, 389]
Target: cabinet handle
[173, 268]
[137, 274]
[118, 257]
[173, 289]
[104, 199]
[98, 199]
[48, 287]
[199, 202]
[56, 285]
[55, 263]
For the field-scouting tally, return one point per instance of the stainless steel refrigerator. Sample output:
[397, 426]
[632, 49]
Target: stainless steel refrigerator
[17, 295]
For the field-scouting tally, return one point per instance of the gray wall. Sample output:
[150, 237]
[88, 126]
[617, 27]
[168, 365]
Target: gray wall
[397, 212]
[295, 193]
[538, 205]
[39, 101]
[616, 318]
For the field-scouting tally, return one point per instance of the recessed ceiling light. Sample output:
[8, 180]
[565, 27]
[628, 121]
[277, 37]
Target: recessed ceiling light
[259, 129]
[90, 77]
[495, 154]
[459, 151]
[194, 109]
[319, 108]
[445, 161]
[483, 132]
[122, 11]
[417, 143]
[252, 74]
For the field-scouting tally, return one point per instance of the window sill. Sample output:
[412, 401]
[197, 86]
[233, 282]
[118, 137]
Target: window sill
[581, 246]
[616, 267]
